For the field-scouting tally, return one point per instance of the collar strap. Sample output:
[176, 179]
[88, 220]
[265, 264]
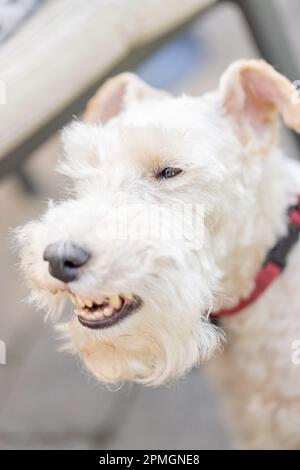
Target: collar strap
[273, 264]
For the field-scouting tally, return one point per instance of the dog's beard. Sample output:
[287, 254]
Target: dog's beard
[151, 351]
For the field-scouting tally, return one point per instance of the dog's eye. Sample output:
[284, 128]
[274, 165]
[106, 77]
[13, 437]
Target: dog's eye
[169, 172]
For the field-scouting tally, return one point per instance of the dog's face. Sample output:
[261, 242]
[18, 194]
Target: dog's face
[141, 299]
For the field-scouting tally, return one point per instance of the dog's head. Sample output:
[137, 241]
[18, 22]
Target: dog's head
[143, 159]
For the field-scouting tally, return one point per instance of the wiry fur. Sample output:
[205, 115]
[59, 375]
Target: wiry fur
[245, 184]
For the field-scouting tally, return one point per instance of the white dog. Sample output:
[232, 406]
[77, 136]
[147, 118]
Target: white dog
[143, 304]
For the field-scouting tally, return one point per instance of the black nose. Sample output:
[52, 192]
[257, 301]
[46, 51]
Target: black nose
[65, 259]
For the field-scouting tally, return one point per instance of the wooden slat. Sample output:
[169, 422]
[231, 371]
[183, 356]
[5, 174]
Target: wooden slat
[60, 51]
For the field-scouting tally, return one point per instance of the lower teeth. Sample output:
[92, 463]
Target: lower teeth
[107, 312]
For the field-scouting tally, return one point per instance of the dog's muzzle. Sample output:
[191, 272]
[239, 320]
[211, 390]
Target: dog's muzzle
[65, 263]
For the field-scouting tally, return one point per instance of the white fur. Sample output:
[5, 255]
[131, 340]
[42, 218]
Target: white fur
[245, 195]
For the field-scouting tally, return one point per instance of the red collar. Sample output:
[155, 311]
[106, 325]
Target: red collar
[273, 264]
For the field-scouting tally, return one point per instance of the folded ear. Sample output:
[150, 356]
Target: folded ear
[113, 96]
[252, 93]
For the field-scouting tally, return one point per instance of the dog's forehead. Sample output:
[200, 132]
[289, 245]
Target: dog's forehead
[150, 133]
[163, 131]
[170, 112]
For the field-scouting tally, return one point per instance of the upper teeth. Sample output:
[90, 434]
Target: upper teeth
[128, 295]
[88, 303]
[114, 302]
[80, 302]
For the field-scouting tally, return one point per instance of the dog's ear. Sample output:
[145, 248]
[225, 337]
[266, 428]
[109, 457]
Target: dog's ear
[113, 96]
[252, 93]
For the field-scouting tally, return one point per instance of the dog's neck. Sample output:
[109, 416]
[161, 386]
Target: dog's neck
[264, 221]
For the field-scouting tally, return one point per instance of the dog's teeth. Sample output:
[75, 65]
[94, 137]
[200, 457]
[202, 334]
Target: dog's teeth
[98, 315]
[80, 302]
[99, 300]
[88, 303]
[107, 312]
[128, 295]
[115, 301]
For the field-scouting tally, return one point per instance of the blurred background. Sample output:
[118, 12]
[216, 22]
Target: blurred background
[53, 56]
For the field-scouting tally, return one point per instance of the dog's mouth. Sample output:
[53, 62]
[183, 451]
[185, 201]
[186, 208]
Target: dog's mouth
[105, 312]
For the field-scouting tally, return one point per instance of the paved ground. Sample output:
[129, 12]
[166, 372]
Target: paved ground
[46, 399]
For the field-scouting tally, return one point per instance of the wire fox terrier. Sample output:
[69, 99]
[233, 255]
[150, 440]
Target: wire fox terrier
[144, 304]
